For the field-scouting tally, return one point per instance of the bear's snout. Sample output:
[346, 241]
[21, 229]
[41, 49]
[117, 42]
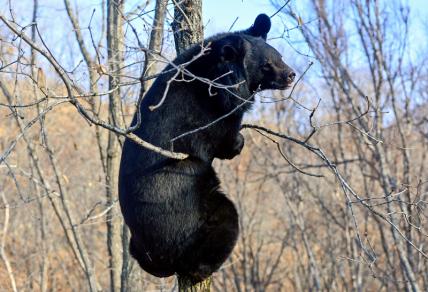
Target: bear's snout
[290, 75]
[284, 79]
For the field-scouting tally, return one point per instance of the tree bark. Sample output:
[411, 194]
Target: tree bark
[185, 285]
[187, 24]
[115, 61]
[188, 30]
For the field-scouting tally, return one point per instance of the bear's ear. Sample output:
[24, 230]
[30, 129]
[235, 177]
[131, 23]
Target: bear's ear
[261, 26]
[228, 53]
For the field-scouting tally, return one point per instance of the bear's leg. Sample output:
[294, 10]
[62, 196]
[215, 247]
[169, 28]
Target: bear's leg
[153, 266]
[214, 240]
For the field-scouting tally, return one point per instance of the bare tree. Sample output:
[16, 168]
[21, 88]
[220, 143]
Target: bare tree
[188, 30]
[115, 45]
[155, 43]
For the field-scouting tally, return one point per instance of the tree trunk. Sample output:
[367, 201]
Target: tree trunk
[155, 43]
[115, 60]
[187, 24]
[188, 30]
[185, 285]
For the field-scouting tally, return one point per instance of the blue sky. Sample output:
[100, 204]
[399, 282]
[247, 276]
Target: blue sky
[218, 16]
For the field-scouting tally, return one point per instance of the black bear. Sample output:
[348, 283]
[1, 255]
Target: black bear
[180, 221]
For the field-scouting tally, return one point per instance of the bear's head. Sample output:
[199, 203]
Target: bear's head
[232, 58]
[262, 65]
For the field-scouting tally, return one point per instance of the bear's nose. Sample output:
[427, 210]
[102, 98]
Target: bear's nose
[290, 76]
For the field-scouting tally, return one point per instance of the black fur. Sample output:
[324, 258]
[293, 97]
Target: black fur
[180, 221]
[260, 27]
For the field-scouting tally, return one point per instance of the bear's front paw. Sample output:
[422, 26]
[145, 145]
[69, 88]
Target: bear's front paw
[238, 145]
[232, 148]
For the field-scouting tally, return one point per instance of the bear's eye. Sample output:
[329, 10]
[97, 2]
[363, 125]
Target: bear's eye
[267, 67]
